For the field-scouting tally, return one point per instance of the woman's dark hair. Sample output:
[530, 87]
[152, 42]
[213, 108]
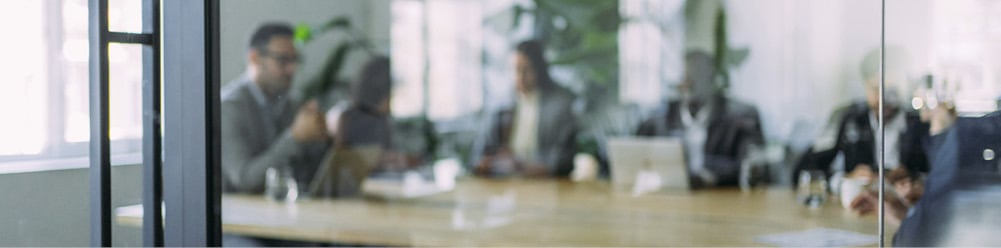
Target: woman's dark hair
[535, 52]
[374, 84]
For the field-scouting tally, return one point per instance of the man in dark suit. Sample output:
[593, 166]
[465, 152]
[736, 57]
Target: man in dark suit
[718, 132]
[537, 137]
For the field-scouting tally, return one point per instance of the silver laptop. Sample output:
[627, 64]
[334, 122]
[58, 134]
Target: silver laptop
[664, 156]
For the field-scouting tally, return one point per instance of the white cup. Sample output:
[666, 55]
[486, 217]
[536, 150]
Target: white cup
[851, 188]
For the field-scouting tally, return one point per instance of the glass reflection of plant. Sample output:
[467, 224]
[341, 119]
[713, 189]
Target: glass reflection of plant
[330, 79]
[582, 36]
[726, 56]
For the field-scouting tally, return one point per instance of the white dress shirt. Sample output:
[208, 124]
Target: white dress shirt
[695, 135]
[524, 136]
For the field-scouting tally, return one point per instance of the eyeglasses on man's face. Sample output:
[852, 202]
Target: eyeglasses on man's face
[283, 59]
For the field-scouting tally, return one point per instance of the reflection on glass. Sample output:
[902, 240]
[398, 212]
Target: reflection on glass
[954, 45]
[125, 114]
[511, 123]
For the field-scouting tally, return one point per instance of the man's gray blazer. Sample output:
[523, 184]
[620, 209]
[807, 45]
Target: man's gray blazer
[252, 142]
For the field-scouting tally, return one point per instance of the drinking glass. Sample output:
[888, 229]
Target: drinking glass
[280, 185]
[812, 188]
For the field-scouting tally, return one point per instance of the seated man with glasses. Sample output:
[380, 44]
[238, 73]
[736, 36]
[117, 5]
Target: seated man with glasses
[262, 127]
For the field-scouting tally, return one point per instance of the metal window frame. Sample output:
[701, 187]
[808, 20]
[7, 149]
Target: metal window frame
[100, 145]
[191, 172]
[152, 147]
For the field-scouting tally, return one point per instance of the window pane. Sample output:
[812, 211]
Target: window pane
[455, 45]
[648, 45]
[410, 65]
[125, 91]
[125, 63]
[76, 57]
[125, 16]
[25, 94]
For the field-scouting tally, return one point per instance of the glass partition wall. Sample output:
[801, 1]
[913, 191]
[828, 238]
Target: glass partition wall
[538, 123]
[606, 123]
[953, 84]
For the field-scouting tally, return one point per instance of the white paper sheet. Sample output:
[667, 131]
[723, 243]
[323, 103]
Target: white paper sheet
[819, 237]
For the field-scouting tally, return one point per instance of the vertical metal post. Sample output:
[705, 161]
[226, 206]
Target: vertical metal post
[152, 148]
[882, 131]
[100, 162]
[191, 186]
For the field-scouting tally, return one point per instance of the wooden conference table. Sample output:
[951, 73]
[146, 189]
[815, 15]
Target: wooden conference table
[519, 212]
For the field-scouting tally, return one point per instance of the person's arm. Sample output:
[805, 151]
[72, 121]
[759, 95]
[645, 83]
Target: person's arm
[243, 170]
[868, 203]
[825, 147]
[911, 143]
[562, 163]
[487, 145]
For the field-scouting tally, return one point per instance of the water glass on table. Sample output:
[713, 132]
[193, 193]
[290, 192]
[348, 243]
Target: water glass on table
[812, 188]
[280, 185]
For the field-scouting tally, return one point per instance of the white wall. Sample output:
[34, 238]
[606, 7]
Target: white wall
[239, 18]
[52, 208]
[805, 55]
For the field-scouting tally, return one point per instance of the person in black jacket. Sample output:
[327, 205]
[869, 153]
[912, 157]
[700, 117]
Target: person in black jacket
[853, 130]
[718, 132]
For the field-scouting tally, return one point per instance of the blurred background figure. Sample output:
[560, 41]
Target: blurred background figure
[852, 131]
[263, 129]
[718, 132]
[535, 138]
[261, 125]
[368, 121]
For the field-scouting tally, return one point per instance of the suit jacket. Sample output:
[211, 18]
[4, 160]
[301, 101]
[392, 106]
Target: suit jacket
[556, 131]
[252, 142]
[960, 164]
[856, 140]
[733, 126]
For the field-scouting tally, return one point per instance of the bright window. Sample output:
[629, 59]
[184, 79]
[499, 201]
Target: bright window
[966, 41]
[445, 56]
[45, 98]
[651, 45]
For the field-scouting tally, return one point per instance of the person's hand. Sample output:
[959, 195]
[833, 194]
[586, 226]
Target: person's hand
[309, 124]
[483, 167]
[941, 118]
[489, 165]
[862, 171]
[533, 169]
[868, 203]
[397, 161]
